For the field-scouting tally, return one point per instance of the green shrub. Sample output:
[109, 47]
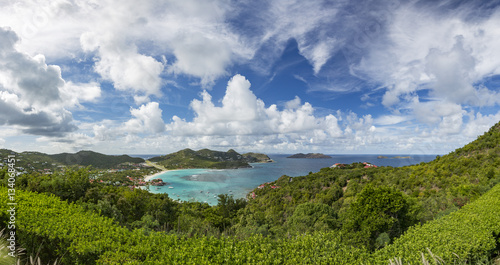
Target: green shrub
[467, 235]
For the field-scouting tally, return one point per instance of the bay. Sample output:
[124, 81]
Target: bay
[204, 185]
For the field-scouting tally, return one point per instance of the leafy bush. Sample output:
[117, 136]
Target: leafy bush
[61, 229]
[467, 235]
[378, 215]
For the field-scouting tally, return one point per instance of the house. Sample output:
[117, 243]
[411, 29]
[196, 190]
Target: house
[336, 165]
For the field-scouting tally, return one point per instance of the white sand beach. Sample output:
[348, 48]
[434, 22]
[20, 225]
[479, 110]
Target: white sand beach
[150, 177]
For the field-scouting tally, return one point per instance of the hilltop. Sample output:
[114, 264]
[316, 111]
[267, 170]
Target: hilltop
[206, 158]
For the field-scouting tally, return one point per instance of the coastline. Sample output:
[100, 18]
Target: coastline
[150, 177]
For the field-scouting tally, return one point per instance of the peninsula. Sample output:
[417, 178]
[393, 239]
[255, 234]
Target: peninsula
[206, 158]
[394, 157]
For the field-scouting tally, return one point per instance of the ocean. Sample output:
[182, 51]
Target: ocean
[204, 185]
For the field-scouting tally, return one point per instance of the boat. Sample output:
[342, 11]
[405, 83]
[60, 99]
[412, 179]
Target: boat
[170, 187]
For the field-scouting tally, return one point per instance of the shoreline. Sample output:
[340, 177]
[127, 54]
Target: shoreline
[150, 177]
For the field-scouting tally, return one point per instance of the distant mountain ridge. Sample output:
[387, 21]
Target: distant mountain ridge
[206, 158]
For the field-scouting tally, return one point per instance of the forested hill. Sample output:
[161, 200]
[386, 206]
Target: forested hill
[37, 160]
[206, 158]
[427, 191]
[98, 160]
[487, 144]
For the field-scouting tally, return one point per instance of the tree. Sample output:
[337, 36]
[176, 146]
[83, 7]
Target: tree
[223, 215]
[310, 217]
[378, 212]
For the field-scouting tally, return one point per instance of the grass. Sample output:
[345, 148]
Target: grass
[436, 260]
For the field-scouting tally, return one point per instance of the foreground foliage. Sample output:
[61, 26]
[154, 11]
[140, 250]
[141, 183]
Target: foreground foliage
[465, 236]
[80, 237]
[344, 215]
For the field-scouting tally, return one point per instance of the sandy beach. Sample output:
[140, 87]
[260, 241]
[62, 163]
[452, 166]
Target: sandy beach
[150, 177]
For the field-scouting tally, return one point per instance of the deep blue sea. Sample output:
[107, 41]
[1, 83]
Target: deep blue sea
[205, 184]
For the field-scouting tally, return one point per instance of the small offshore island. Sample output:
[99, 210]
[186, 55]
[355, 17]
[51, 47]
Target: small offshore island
[310, 155]
[394, 157]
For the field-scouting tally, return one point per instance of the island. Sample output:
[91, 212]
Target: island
[309, 155]
[206, 158]
[394, 157]
[257, 158]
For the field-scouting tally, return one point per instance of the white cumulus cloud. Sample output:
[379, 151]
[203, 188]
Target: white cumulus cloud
[33, 96]
[147, 118]
[242, 113]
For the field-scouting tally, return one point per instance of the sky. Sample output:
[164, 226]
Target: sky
[337, 76]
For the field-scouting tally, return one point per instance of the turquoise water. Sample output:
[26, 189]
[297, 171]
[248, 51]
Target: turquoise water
[205, 184]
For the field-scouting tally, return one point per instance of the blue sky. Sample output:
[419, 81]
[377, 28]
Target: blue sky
[338, 77]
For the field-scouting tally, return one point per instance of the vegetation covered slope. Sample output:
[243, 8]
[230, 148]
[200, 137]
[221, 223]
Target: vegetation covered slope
[464, 237]
[39, 160]
[28, 160]
[429, 189]
[79, 237]
[97, 160]
[206, 158]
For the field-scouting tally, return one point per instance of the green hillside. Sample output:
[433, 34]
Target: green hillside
[463, 237]
[61, 230]
[30, 161]
[430, 190]
[97, 160]
[345, 215]
[206, 158]
[36, 160]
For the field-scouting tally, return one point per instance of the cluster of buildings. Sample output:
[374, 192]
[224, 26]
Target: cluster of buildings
[268, 183]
